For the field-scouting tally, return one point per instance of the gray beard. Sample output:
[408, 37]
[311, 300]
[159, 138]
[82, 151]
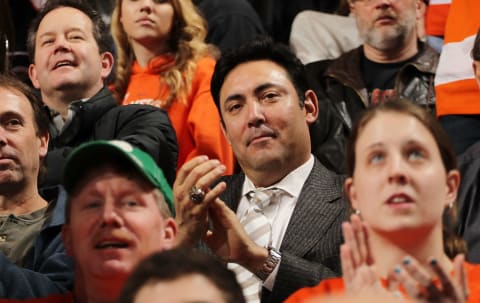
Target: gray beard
[393, 39]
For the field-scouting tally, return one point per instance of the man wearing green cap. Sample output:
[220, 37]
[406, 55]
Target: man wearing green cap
[119, 211]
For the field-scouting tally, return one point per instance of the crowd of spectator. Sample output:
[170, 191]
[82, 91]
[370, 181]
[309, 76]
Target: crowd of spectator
[239, 151]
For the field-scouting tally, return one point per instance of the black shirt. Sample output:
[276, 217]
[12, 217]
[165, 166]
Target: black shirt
[380, 78]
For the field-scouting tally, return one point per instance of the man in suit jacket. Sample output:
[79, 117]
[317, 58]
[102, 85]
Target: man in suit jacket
[261, 93]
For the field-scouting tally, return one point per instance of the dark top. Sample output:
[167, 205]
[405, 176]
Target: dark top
[47, 269]
[278, 15]
[101, 118]
[230, 22]
[469, 201]
[380, 78]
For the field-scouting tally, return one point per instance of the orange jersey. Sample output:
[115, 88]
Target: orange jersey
[196, 120]
[336, 286]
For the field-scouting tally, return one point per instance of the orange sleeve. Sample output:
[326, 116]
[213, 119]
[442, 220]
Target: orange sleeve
[336, 286]
[473, 277]
[203, 119]
[436, 18]
[325, 288]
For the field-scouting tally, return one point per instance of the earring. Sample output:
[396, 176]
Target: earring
[357, 212]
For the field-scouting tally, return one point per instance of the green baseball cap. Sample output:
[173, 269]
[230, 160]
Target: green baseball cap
[88, 154]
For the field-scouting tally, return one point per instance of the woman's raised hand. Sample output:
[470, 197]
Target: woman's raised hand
[358, 265]
[439, 287]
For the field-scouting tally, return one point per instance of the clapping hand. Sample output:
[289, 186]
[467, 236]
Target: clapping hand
[191, 208]
[228, 240]
[420, 283]
[358, 264]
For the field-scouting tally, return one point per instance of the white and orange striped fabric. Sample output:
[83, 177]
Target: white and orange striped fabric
[456, 89]
[436, 17]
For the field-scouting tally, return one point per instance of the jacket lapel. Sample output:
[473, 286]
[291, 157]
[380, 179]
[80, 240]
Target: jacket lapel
[318, 206]
[233, 194]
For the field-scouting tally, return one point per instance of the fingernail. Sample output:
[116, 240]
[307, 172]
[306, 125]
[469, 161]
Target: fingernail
[406, 260]
[221, 168]
[433, 262]
[397, 269]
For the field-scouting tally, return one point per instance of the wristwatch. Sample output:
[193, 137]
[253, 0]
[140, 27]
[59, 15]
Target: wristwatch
[274, 257]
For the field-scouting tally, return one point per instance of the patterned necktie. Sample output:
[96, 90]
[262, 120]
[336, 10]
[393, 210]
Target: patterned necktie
[259, 229]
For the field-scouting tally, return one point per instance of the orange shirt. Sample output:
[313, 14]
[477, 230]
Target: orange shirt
[335, 286]
[196, 122]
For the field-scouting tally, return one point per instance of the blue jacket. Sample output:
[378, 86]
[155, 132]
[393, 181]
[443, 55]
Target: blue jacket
[47, 268]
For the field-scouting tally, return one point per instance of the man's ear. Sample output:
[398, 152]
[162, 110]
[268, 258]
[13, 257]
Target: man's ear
[351, 193]
[224, 131]
[311, 106]
[67, 239]
[43, 144]
[476, 71]
[169, 233]
[351, 7]
[107, 64]
[32, 74]
[421, 8]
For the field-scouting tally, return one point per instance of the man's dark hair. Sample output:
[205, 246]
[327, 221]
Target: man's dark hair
[173, 264]
[476, 47]
[100, 31]
[262, 48]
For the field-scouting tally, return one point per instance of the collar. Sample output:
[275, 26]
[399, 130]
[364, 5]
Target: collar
[347, 66]
[292, 183]
[58, 121]
[85, 114]
[155, 66]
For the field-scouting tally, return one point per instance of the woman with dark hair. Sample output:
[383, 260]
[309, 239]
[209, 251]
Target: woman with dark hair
[402, 186]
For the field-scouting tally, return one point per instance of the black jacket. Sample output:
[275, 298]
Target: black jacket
[469, 201]
[342, 95]
[230, 22]
[101, 118]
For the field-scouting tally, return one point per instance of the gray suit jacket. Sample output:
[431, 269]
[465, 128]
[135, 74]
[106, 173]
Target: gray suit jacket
[311, 245]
